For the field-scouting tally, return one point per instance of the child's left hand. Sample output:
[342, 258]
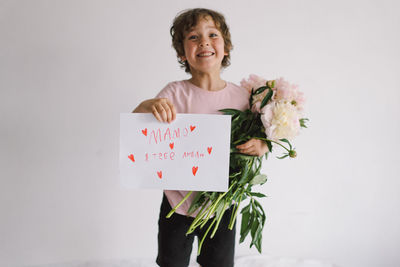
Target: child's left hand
[253, 147]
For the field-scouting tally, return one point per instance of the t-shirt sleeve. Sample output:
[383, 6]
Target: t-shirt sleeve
[166, 92]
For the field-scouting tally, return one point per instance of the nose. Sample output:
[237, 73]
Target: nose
[204, 42]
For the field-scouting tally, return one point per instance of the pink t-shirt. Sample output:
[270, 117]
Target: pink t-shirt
[188, 98]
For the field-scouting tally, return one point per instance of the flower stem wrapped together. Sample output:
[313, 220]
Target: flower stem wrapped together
[274, 117]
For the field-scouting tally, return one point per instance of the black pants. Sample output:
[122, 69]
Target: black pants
[175, 247]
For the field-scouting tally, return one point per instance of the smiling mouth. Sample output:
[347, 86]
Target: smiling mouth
[205, 54]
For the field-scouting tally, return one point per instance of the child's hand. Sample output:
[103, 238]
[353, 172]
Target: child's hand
[162, 109]
[253, 147]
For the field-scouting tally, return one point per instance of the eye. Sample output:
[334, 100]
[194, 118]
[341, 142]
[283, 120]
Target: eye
[213, 35]
[192, 37]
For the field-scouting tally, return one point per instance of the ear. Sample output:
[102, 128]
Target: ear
[226, 53]
[183, 58]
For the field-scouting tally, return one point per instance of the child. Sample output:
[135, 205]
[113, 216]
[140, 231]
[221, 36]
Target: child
[202, 42]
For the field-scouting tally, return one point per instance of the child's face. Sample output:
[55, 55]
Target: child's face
[204, 47]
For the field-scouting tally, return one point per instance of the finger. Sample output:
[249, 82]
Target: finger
[246, 148]
[163, 113]
[254, 152]
[167, 111]
[242, 146]
[173, 110]
[264, 148]
[249, 151]
[156, 114]
[246, 145]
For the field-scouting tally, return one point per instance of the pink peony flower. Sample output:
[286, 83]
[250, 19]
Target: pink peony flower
[253, 81]
[267, 113]
[256, 107]
[300, 101]
[284, 91]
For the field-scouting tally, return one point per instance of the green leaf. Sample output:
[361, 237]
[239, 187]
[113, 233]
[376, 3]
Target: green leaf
[245, 227]
[260, 90]
[212, 195]
[196, 203]
[246, 209]
[286, 141]
[258, 242]
[245, 221]
[259, 161]
[258, 233]
[245, 174]
[303, 122]
[261, 210]
[257, 227]
[254, 228]
[266, 98]
[238, 194]
[230, 111]
[269, 144]
[236, 120]
[258, 179]
[256, 194]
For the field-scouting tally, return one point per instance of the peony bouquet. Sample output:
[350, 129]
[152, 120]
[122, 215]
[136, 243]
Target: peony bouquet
[274, 116]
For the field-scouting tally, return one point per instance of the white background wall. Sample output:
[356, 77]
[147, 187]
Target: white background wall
[68, 68]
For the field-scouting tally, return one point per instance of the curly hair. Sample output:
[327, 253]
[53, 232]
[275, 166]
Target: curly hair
[187, 19]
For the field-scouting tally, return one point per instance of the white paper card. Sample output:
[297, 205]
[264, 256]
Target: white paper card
[191, 153]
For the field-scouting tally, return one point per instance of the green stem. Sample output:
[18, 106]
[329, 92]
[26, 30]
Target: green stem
[265, 139]
[179, 204]
[219, 219]
[204, 237]
[234, 214]
[211, 211]
[215, 204]
[200, 220]
[239, 141]
[203, 206]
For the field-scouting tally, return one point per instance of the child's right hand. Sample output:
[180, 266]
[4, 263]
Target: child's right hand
[162, 109]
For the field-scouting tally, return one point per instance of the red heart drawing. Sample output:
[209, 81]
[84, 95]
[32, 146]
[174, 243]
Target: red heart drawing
[171, 145]
[131, 157]
[194, 170]
[209, 150]
[144, 132]
[192, 128]
[159, 174]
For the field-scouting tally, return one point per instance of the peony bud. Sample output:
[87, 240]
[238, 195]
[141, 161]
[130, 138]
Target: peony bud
[292, 154]
[271, 84]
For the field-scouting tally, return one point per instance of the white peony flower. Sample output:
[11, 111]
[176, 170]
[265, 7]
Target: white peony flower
[281, 120]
